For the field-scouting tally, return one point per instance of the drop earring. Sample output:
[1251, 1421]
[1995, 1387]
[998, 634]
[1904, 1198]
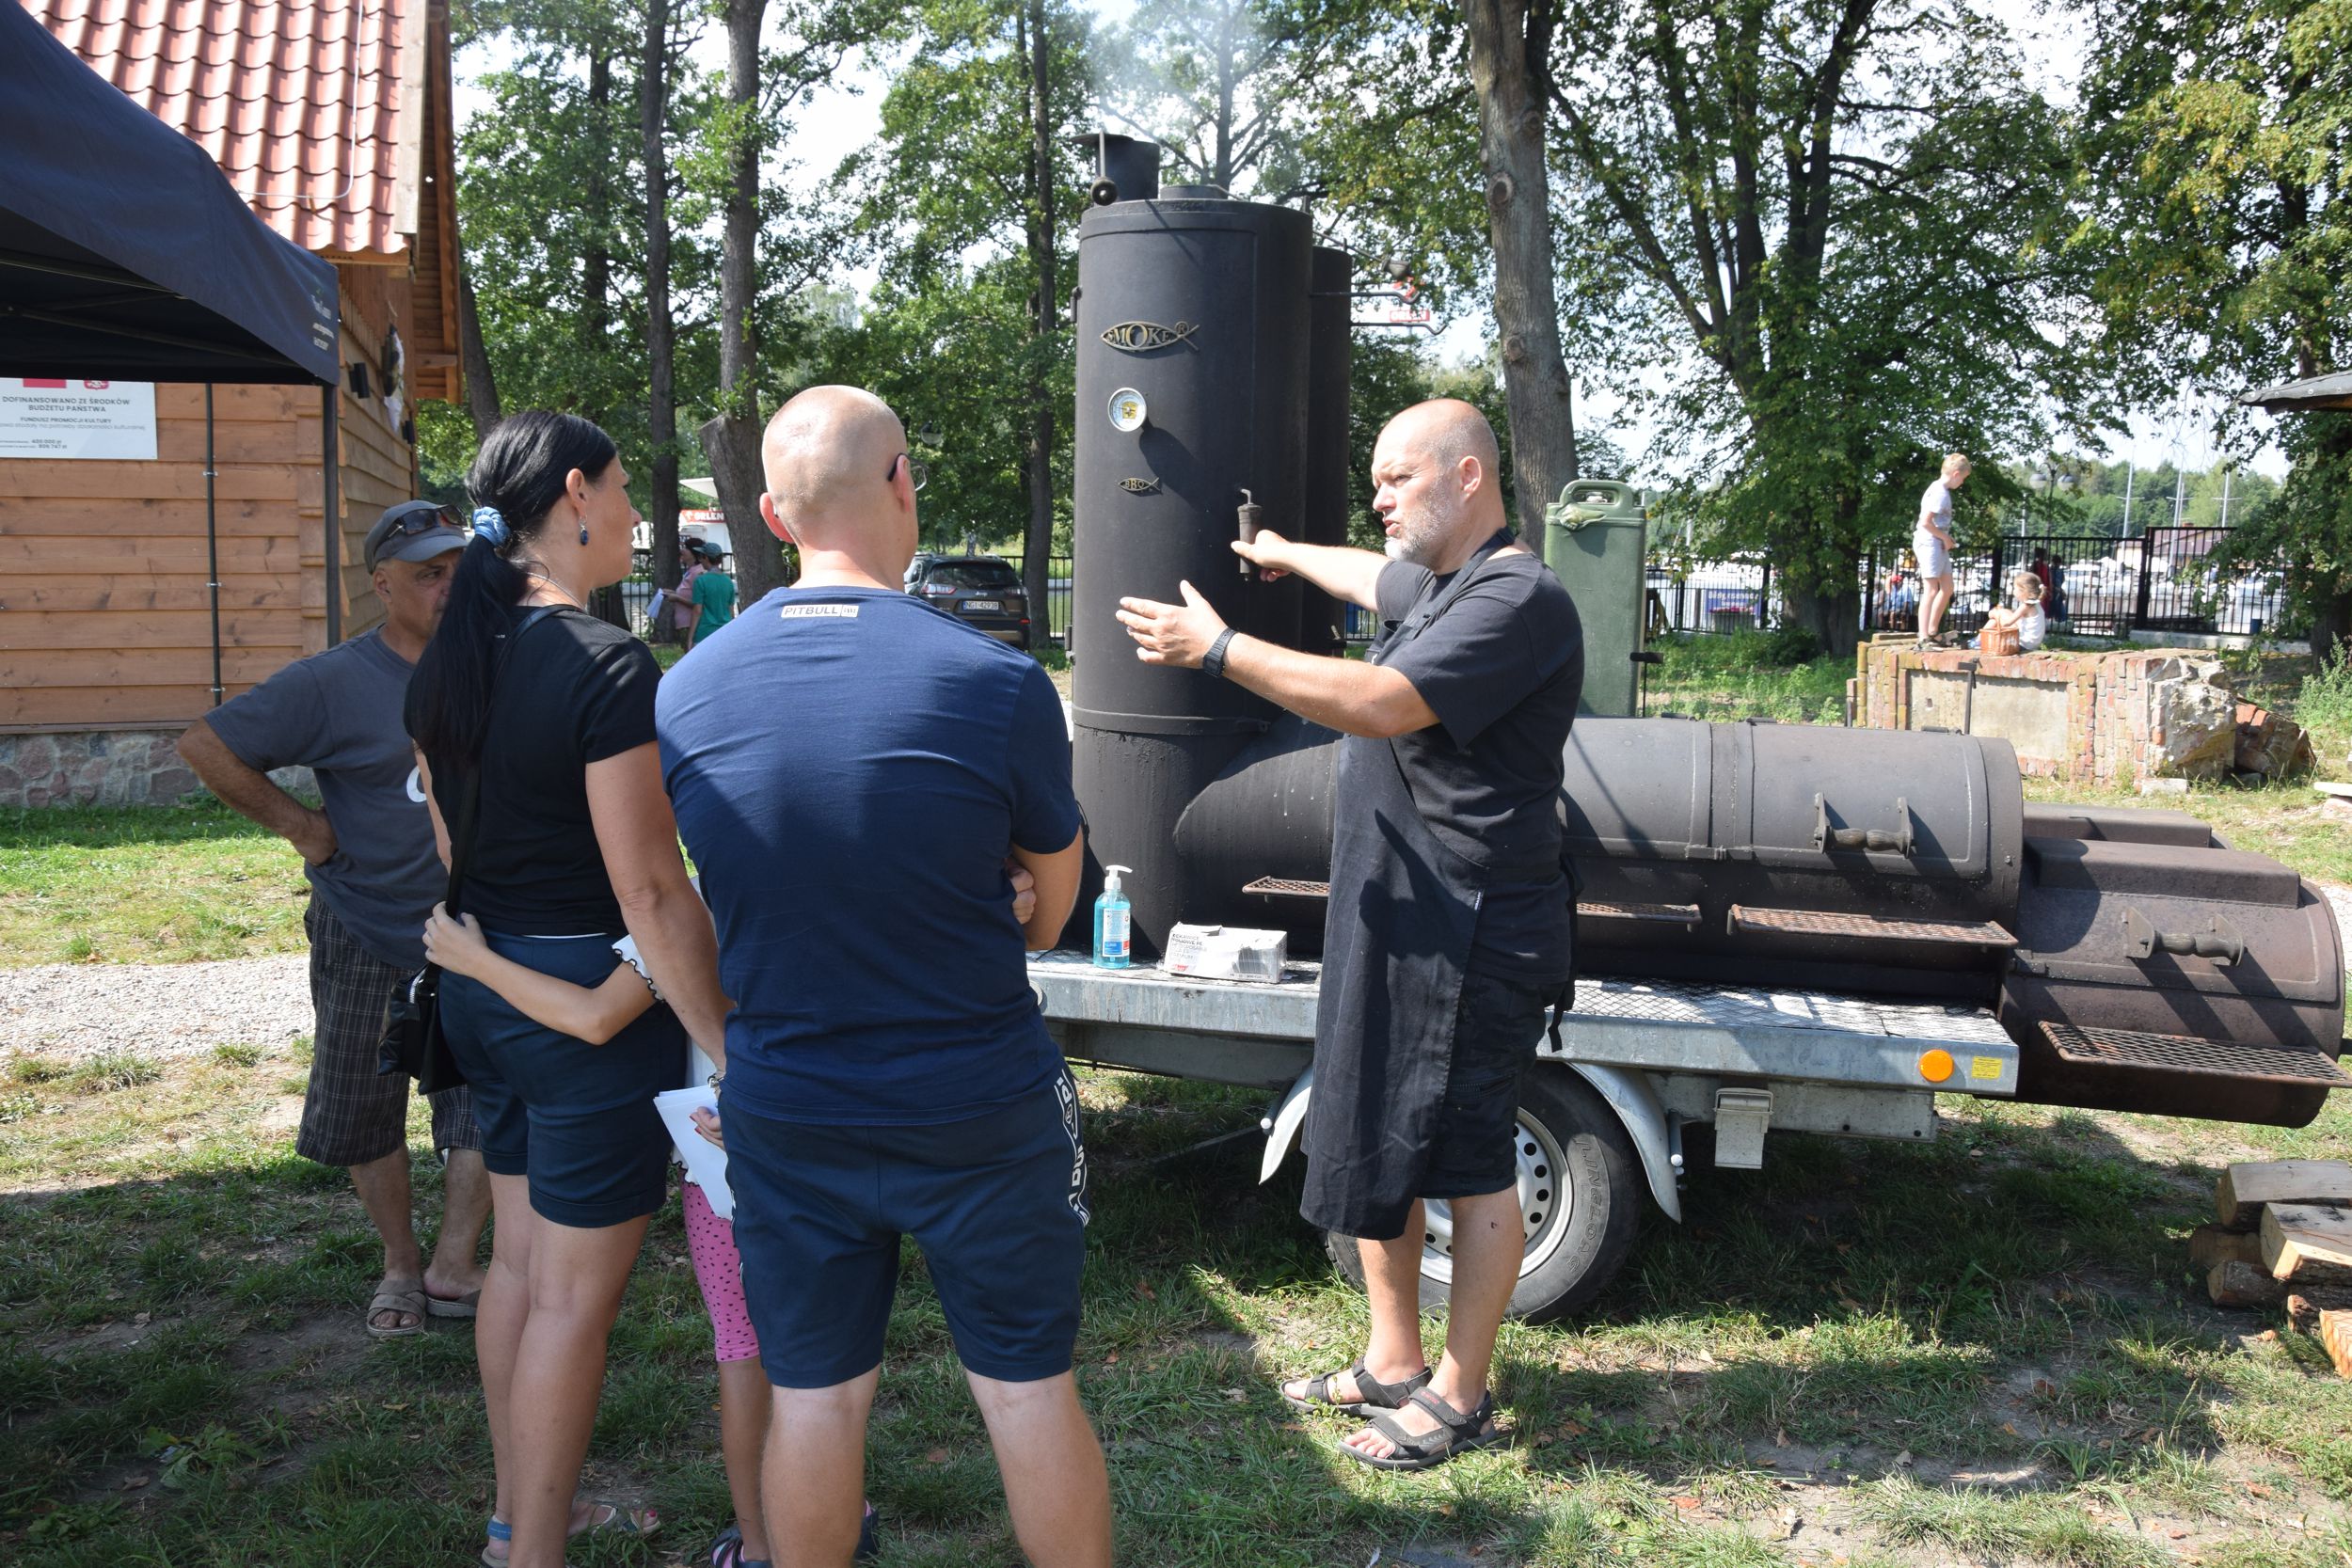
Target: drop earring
[583, 531]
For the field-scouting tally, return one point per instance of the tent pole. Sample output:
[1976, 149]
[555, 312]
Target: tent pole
[211, 538]
[331, 518]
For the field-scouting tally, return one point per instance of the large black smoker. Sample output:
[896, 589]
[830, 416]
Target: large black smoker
[2139, 962]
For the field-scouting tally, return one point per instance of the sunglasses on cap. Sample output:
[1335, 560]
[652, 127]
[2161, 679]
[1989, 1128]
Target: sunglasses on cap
[416, 517]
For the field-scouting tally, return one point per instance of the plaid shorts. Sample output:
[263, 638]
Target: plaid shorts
[351, 1114]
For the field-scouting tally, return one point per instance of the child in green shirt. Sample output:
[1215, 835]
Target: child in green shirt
[712, 594]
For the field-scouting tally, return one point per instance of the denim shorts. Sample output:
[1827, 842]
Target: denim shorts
[1498, 1026]
[996, 1202]
[576, 1119]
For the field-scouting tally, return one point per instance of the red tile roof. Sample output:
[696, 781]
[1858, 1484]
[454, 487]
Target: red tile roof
[314, 108]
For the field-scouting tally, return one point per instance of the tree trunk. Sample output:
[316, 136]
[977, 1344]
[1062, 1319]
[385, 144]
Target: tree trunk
[1834, 615]
[596, 270]
[482, 388]
[653, 109]
[731, 439]
[1038, 541]
[1510, 65]
[2331, 628]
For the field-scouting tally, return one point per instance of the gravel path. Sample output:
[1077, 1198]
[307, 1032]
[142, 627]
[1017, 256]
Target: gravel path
[187, 1009]
[156, 1009]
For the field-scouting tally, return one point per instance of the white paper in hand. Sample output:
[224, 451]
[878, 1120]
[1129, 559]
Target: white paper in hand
[706, 1163]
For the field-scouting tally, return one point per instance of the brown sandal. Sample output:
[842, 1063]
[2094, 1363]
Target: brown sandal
[1456, 1434]
[1377, 1394]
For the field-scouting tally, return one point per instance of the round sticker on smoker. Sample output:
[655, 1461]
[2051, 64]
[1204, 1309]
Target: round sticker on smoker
[1127, 409]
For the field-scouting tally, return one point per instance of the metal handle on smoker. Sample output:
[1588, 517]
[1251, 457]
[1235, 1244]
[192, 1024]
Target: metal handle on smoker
[1248, 516]
[2219, 941]
[1826, 837]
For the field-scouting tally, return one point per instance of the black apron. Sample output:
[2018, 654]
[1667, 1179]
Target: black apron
[1403, 914]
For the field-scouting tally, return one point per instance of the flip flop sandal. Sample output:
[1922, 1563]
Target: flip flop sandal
[621, 1521]
[1457, 1434]
[727, 1550]
[1376, 1394]
[410, 1302]
[466, 1305]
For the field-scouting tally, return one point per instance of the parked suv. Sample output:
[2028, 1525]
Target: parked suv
[984, 589]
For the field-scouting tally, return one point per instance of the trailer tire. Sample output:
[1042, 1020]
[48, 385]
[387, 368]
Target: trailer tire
[1573, 1250]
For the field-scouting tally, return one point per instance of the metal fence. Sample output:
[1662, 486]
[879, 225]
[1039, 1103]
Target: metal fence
[638, 594]
[2162, 580]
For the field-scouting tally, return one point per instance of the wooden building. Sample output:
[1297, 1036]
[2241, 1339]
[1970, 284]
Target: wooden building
[332, 117]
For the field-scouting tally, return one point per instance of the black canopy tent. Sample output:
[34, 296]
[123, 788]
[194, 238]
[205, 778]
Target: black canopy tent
[125, 252]
[125, 255]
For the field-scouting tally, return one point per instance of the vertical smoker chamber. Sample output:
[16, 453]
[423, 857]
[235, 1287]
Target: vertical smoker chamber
[1321, 618]
[1198, 303]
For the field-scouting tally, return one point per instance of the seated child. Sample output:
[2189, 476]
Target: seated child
[595, 1017]
[2026, 620]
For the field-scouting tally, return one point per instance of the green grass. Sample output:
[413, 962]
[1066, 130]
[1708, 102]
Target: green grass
[143, 885]
[1981, 1350]
[1732, 675]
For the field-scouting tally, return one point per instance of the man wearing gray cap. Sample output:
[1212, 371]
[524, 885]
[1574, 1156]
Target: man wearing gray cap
[374, 877]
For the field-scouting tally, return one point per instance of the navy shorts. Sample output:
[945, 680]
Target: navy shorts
[578, 1119]
[1498, 1027]
[996, 1201]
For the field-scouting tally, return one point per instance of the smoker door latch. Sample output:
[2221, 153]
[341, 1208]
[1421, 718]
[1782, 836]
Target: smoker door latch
[1741, 1119]
[1879, 839]
[2218, 942]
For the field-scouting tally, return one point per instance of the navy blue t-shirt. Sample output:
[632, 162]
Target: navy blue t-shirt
[850, 768]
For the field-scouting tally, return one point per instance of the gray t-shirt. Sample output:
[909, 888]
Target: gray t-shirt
[338, 713]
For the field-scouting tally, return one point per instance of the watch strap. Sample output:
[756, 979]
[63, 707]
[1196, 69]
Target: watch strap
[1213, 662]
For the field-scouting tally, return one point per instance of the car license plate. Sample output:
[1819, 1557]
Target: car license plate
[983, 604]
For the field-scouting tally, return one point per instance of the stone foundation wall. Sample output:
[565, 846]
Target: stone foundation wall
[105, 768]
[2107, 718]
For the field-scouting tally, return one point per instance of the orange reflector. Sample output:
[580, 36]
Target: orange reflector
[1935, 1066]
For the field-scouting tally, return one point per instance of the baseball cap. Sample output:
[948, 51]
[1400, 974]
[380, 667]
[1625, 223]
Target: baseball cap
[413, 531]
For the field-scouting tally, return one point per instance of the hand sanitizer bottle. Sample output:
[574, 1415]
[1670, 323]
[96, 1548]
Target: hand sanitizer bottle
[1111, 922]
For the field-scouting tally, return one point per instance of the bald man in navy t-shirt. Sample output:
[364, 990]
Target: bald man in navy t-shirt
[854, 773]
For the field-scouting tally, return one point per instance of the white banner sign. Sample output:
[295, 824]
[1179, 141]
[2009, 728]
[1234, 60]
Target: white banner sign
[66, 419]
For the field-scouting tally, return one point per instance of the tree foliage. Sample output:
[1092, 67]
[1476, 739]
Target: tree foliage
[2216, 138]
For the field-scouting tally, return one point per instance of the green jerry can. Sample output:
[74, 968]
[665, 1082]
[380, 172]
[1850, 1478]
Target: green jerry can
[1597, 542]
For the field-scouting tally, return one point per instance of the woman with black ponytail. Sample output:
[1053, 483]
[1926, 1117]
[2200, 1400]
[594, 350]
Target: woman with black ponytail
[535, 720]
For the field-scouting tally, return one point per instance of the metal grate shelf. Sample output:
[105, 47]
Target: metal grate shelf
[1826, 922]
[1664, 914]
[1289, 887]
[2179, 1054]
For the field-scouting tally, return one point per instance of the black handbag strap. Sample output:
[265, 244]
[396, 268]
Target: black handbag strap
[469, 795]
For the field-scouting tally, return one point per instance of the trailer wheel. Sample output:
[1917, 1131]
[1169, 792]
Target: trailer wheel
[1579, 1202]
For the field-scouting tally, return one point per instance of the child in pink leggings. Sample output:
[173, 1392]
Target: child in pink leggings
[744, 1400]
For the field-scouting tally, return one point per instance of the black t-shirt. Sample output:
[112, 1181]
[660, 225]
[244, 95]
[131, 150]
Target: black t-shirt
[1503, 669]
[575, 691]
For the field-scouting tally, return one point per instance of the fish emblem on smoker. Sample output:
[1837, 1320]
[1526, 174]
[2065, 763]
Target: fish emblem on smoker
[1143, 337]
[1140, 486]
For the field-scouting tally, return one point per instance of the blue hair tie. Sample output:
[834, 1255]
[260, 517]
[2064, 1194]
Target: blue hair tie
[491, 524]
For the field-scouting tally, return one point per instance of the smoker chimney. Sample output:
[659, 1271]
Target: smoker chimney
[1125, 168]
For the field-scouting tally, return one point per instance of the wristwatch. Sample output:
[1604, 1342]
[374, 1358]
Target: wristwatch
[1213, 662]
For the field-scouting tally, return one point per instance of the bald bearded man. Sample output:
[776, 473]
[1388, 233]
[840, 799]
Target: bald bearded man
[1447, 933]
[852, 769]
